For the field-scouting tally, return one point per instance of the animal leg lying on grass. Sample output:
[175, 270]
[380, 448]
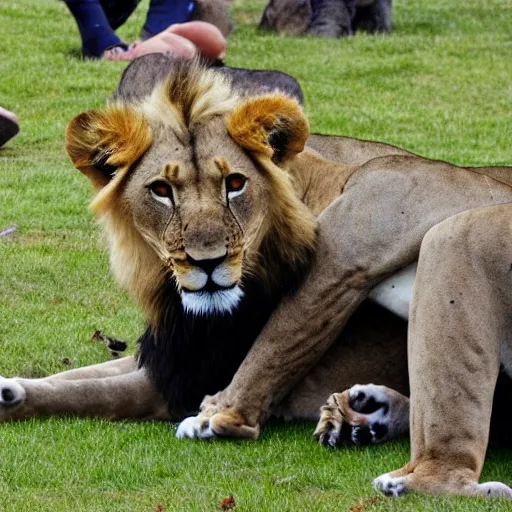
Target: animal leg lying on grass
[128, 395]
[119, 366]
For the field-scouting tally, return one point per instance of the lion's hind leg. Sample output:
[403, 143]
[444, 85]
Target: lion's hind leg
[13, 393]
[112, 368]
[363, 414]
[130, 395]
[432, 477]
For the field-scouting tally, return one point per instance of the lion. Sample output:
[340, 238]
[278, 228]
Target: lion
[252, 256]
[326, 18]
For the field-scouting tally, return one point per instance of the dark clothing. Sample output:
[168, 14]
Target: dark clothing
[97, 20]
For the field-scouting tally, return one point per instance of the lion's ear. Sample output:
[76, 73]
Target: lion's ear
[273, 125]
[104, 144]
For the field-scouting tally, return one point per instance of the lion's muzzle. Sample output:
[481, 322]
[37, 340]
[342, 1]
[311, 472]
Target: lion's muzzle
[211, 285]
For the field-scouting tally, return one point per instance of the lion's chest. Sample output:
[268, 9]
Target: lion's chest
[395, 292]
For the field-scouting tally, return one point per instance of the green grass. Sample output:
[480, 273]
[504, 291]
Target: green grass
[439, 85]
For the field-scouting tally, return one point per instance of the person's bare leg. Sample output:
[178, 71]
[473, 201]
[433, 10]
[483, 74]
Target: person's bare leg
[164, 42]
[181, 40]
[459, 320]
[207, 37]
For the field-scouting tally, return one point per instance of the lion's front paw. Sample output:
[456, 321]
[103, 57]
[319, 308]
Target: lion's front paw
[385, 413]
[223, 424]
[195, 427]
[363, 414]
[12, 394]
[373, 405]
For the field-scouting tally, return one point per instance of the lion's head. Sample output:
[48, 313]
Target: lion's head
[190, 187]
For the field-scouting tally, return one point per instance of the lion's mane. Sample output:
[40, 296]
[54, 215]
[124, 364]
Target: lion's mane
[189, 356]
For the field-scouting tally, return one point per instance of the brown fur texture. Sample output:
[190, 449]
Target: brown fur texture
[171, 218]
[173, 133]
[103, 145]
[459, 335]
[144, 73]
[272, 125]
[116, 137]
[190, 107]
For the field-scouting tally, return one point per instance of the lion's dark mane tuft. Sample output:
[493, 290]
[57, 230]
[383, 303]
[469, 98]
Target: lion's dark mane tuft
[189, 356]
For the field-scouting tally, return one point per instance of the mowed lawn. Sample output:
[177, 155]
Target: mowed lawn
[440, 85]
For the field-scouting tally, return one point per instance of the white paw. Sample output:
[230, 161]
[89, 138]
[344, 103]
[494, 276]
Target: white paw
[373, 403]
[194, 427]
[369, 399]
[389, 485]
[492, 489]
[11, 393]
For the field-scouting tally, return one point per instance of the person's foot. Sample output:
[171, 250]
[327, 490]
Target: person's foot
[165, 42]
[114, 52]
[180, 40]
[9, 126]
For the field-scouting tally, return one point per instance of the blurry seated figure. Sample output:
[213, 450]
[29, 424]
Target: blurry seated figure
[326, 18]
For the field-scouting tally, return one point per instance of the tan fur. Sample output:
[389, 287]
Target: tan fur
[179, 106]
[191, 95]
[394, 216]
[116, 137]
[120, 139]
[372, 219]
[253, 123]
[460, 333]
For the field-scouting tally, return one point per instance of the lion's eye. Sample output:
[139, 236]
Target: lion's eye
[162, 192]
[161, 189]
[235, 184]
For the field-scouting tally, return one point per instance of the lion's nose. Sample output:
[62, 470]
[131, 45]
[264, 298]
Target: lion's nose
[207, 265]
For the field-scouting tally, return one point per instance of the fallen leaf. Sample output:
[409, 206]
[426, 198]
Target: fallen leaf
[228, 503]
